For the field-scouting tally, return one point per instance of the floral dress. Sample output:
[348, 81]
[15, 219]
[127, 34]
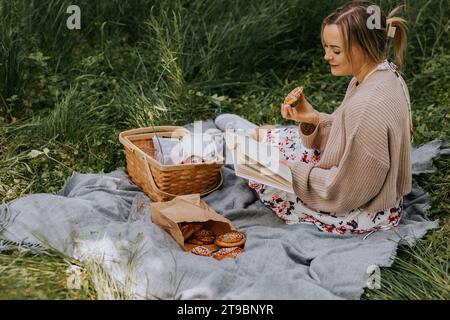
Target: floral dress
[290, 208]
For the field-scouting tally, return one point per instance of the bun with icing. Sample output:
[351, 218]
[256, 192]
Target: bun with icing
[230, 239]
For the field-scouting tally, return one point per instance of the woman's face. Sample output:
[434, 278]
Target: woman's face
[333, 43]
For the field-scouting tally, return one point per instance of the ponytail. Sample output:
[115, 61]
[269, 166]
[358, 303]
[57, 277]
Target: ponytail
[400, 37]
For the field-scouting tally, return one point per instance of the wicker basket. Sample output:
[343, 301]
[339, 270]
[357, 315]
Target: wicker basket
[164, 182]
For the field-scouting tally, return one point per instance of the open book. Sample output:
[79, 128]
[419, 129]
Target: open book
[258, 161]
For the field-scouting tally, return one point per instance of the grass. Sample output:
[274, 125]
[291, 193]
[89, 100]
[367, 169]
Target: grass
[65, 96]
[422, 272]
[418, 273]
[28, 276]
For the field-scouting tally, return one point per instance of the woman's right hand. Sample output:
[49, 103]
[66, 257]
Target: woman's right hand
[302, 112]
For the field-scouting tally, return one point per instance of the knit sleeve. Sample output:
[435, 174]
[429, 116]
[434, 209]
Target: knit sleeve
[316, 136]
[358, 178]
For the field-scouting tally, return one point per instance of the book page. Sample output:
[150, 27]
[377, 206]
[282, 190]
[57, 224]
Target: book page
[259, 161]
[252, 172]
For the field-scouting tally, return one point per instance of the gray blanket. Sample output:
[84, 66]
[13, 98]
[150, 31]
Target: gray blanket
[104, 221]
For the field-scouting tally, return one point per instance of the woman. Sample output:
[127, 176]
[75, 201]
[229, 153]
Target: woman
[350, 168]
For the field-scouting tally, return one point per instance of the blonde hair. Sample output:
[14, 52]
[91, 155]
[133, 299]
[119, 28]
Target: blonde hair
[351, 20]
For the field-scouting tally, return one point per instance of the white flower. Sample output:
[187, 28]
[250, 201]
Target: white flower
[34, 153]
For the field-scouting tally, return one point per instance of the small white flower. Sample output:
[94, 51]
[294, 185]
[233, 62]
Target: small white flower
[34, 153]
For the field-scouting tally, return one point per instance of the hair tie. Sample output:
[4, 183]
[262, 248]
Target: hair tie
[391, 31]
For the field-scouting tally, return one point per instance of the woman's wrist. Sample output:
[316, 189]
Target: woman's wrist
[316, 119]
[309, 127]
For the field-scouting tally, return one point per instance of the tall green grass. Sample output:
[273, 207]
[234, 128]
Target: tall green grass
[173, 47]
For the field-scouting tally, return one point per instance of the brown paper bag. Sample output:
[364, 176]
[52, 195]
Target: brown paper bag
[188, 208]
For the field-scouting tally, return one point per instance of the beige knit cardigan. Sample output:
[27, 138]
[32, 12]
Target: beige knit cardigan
[365, 150]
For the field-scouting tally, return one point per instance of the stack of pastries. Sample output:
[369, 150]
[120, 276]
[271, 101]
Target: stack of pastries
[226, 245]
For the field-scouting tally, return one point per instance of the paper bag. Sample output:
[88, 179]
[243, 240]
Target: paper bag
[188, 208]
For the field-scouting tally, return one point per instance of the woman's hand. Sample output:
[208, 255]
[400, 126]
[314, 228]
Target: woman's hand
[302, 112]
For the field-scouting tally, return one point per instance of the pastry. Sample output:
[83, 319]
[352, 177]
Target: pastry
[193, 159]
[293, 97]
[201, 251]
[188, 229]
[230, 239]
[231, 252]
[290, 100]
[202, 236]
[195, 241]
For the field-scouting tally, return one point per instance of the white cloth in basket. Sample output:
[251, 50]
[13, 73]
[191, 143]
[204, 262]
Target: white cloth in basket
[207, 146]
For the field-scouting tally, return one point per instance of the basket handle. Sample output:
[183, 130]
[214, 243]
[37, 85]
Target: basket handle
[126, 142]
[152, 129]
[166, 194]
[124, 134]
